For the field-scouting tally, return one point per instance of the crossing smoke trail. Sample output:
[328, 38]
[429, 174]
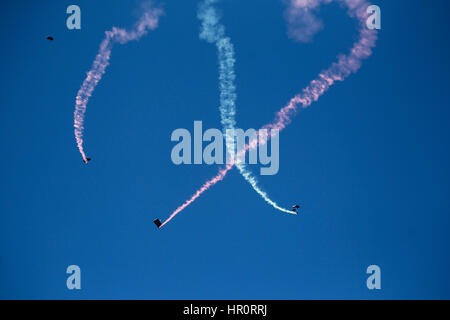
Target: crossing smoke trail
[338, 71]
[214, 32]
[148, 21]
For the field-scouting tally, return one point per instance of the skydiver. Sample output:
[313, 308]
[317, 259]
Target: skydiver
[157, 222]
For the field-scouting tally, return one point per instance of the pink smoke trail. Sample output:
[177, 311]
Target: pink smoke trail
[148, 21]
[338, 71]
[208, 184]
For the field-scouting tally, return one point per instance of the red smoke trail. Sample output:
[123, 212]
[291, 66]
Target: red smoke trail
[148, 21]
[338, 71]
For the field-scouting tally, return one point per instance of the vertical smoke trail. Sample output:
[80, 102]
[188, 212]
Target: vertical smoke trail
[148, 21]
[214, 32]
[338, 71]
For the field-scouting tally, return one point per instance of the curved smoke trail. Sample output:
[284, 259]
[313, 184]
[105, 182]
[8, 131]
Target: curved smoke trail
[214, 32]
[338, 71]
[148, 21]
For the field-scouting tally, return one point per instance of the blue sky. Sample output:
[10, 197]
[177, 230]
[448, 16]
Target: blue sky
[368, 161]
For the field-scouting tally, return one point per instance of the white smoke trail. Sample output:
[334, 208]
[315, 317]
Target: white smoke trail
[148, 21]
[214, 32]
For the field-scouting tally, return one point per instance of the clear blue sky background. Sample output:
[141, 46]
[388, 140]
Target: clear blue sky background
[369, 162]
